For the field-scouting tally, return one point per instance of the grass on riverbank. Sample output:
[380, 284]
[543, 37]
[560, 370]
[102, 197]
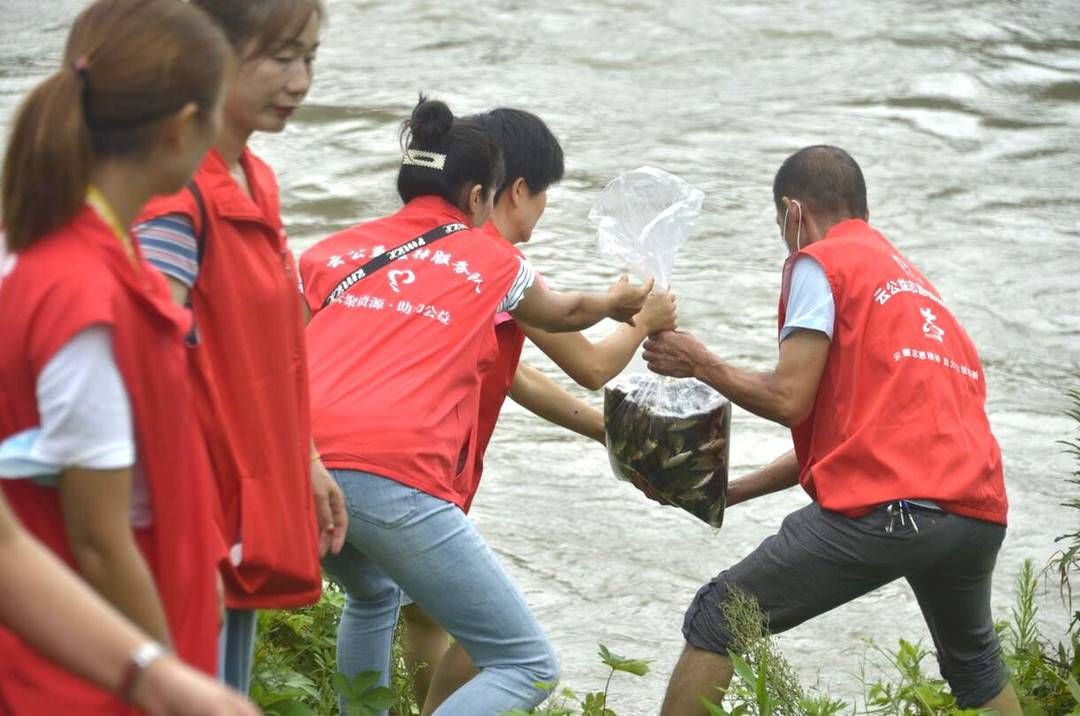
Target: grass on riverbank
[295, 669]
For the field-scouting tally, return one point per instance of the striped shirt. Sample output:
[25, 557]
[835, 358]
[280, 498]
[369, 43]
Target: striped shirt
[525, 278]
[169, 244]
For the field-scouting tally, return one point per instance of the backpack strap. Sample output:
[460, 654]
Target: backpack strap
[200, 234]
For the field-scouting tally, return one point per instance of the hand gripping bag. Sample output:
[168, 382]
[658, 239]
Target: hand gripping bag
[657, 427]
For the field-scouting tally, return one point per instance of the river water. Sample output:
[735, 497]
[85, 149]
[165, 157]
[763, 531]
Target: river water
[965, 117]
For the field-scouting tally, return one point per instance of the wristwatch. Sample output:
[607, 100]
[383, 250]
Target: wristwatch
[140, 660]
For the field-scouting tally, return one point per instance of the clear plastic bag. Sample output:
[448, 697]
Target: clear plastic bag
[642, 218]
[657, 427]
[655, 430]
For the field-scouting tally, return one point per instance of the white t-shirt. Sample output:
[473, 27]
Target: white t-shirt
[85, 420]
[810, 304]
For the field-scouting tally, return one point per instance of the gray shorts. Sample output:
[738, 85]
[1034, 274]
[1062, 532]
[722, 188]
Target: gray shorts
[821, 559]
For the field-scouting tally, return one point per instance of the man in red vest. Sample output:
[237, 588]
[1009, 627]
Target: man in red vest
[884, 394]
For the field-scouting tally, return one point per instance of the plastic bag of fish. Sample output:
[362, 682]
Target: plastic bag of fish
[669, 437]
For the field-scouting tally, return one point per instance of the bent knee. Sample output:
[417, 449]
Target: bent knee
[542, 665]
[549, 669]
[705, 625]
[978, 681]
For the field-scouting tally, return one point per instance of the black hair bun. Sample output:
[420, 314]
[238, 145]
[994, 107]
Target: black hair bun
[430, 121]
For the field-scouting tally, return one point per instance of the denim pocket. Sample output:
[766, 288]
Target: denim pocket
[377, 500]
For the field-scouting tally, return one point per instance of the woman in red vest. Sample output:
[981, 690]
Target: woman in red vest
[96, 427]
[402, 331]
[533, 160]
[55, 612]
[223, 249]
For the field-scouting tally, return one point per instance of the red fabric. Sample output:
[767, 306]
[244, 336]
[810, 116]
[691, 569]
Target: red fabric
[396, 361]
[494, 388]
[900, 410]
[495, 382]
[77, 277]
[251, 393]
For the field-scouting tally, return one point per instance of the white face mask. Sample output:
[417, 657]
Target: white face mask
[798, 229]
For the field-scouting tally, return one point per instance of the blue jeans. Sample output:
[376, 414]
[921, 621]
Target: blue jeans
[399, 535]
[236, 648]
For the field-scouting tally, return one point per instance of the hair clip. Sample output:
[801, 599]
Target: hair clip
[81, 67]
[423, 158]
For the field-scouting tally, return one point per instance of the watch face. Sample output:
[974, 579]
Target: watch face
[146, 654]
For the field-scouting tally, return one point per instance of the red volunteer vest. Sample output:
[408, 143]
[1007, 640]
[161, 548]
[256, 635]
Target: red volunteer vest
[899, 413]
[251, 394]
[396, 361]
[494, 388]
[77, 277]
[495, 382]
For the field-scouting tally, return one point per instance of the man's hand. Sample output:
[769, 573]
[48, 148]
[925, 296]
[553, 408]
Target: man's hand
[675, 354]
[329, 509]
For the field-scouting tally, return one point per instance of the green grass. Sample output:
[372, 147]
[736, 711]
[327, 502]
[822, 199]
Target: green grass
[296, 675]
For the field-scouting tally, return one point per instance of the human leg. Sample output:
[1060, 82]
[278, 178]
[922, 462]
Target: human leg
[431, 549]
[372, 598]
[954, 595]
[454, 671]
[425, 643]
[816, 562]
[698, 675]
[236, 648]
[1005, 703]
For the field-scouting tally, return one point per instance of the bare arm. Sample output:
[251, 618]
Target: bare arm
[58, 615]
[780, 474]
[557, 312]
[96, 509]
[542, 396]
[591, 365]
[784, 395]
[178, 290]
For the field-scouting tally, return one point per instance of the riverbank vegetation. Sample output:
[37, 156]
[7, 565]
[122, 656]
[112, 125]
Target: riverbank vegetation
[295, 673]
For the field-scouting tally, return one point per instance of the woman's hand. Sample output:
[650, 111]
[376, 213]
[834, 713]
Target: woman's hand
[170, 688]
[658, 314]
[330, 510]
[624, 300]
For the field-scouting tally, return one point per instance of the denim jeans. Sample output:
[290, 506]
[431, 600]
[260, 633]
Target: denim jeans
[399, 535]
[236, 648]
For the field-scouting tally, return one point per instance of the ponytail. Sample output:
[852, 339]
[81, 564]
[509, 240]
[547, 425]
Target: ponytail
[128, 65]
[48, 161]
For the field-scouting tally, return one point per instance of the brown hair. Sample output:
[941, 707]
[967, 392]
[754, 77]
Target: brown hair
[255, 27]
[127, 65]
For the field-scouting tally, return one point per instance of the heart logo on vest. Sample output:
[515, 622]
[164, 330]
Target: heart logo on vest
[405, 276]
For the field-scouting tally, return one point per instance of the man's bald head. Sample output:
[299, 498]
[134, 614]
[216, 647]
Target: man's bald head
[825, 179]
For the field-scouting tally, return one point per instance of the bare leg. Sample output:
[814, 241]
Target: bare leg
[1005, 703]
[699, 674]
[424, 646]
[453, 671]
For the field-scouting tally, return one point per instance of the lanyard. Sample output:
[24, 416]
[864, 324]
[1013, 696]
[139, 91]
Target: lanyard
[100, 204]
[400, 252]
